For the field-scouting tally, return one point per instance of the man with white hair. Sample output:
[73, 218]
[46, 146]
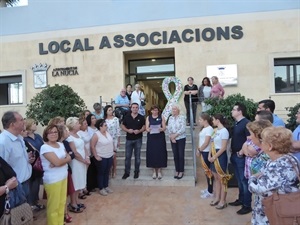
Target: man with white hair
[122, 102]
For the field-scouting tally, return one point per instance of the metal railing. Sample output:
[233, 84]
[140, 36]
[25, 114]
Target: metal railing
[192, 138]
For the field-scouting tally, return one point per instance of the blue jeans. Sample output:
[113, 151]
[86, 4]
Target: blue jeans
[129, 147]
[103, 168]
[178, 152]
[245, 195]
[26, 189]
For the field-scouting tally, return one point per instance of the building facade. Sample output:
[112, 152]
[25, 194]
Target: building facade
[128, 42]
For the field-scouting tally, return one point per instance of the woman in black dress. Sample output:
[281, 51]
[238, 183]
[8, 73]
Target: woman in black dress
[156, 152]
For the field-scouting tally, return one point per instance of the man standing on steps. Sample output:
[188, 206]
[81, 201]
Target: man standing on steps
[134, 126]
[239, 137]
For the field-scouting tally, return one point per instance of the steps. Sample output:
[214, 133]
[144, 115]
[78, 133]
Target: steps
[145, 178]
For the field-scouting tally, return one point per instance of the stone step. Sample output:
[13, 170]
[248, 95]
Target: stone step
[187, 152]
[188, 144]
[170, 161]
[145, 178]
[148, 181]
[145, 171]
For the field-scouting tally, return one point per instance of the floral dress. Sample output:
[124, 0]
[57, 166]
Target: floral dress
[278, 175]
[113, 128]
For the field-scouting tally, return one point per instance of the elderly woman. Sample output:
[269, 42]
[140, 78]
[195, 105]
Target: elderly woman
[54, 160]
[217, 90]
[79, 164]
[176, 128]
[98, 111]
[138, 97]
[113, 128]
[204, 93]
[278, 174]
[192, 89]
[256, 159]
[102, 147]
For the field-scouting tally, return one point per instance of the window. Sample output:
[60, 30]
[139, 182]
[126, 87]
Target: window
[287, 75]
[151, 66]
[11, 90]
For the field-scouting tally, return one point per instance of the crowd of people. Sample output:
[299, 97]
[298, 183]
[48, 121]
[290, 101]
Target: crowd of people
[264, 154]
[78, 155]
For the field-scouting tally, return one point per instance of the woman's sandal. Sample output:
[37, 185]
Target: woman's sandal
[68, 219]
[221, 206]
[81, 206]
[75, 209]
[82, 196]
[85, 192]
[214, 203]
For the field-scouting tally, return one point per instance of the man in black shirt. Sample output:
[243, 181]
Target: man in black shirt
[239, 137]
[192, 89]
[134, 125]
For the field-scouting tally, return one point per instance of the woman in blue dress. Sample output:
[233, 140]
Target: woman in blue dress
[156, 152]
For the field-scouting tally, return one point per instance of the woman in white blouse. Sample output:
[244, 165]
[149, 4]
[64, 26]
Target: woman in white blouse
[204, 93]
[102, 147]
[54, 161]
[176, 127]
[113, 128]
[137, 97]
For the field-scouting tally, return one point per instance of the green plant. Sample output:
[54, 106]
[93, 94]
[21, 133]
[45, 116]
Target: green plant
[224, 106]
[291, 122]
[58, 100]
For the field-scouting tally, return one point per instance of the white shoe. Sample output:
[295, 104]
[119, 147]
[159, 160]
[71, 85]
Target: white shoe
[108, 190]
[203, 191]
[159, 175]
[103, 192]
[154, 175]
[207, 195]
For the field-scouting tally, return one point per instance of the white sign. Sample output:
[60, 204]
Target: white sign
[227, 74]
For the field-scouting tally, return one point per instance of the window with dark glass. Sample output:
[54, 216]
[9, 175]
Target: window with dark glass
[11, 90]
[287, 75]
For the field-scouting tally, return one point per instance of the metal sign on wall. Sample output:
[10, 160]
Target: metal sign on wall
[227, 74]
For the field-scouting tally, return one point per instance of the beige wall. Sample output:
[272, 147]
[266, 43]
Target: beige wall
[101, 71]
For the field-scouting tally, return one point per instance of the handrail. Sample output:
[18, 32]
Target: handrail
[192, 137]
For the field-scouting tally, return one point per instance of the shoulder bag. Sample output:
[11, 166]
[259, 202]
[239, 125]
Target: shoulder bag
[19, 215]
[283, 209]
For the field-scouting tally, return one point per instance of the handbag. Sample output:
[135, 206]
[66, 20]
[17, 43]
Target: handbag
[143, 103]
[37, 165]
[20, 215]
[283, 209]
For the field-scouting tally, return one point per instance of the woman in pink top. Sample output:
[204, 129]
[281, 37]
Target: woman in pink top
[217, 90]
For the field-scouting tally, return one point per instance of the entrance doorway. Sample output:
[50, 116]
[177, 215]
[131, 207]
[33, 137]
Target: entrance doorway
[149, 68]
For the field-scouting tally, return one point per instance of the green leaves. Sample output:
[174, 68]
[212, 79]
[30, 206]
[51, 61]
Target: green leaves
[224, 106]
[58, 100]
[291, 122]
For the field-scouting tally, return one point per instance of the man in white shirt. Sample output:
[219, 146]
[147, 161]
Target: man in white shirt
[13, 149]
